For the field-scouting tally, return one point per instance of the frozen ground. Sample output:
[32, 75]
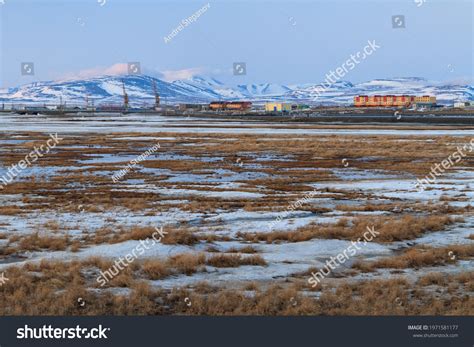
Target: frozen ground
[175, 188]
[143, 123]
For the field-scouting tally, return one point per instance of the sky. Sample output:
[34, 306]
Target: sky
[284, 42]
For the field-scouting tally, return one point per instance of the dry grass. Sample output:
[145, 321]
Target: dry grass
[10, 210]
[169, 236]
[435, 278]
[412, 156]
[116, 235]
[187, 264]
[138, 233]
[155, 270]
[389, 229]
[53, 289]
[420, 257]
[235, 260]
[180, 237]
[245, 249]
[37, 242]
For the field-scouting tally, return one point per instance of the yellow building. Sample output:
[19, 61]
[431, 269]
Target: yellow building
[277, 107]
[425, 99]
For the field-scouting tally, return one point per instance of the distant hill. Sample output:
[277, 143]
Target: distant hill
[201, 89]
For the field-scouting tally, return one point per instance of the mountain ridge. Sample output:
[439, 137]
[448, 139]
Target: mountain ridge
[202, 89]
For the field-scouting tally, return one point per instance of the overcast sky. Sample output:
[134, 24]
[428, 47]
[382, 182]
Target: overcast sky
[285, 42]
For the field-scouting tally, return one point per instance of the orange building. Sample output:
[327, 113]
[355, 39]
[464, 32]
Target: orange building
[392, 100]
[235, 105]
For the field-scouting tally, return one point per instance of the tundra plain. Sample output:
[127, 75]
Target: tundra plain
[247, 213]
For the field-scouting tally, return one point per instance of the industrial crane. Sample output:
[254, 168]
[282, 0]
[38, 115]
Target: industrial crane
[125, 96]
[157, 96]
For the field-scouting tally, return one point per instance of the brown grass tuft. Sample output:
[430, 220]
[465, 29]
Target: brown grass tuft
[420, 257]
[37, 242]
[235, 260]
[180, 237]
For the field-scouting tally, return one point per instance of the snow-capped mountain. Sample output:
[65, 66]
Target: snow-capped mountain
[343, 92]
[266, 90]
[201, 89]
[108, 89]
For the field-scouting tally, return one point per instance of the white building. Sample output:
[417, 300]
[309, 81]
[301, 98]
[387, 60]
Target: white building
[464, 104]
